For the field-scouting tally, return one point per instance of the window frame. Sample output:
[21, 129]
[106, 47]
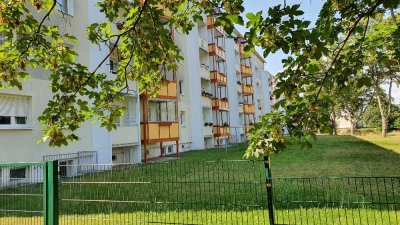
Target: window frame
[69, 10]
[17, 178]
[13, 118]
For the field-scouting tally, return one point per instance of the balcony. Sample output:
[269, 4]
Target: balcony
[203, 44]
[241, 109]
[125, 135]
[241, 51]
[249, 109]
[219, 78]
[208, 131]
[245, 70]
[167, 12]
[205, 102]
[215, 50]
[159, 132]
[221, 131]
[168, 91]
[248, 89]
[218, 104]
[239, 88]
[204, 72]
[237, 47]
[238, 68]
[247, 127]
[211, 24]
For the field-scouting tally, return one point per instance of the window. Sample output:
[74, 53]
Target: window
[113, 66]
[129, 117]
[182, 118]
[18, 173]
[14, 111]
[168, 149]
[162, 112]
[66, 6]
[181, 87]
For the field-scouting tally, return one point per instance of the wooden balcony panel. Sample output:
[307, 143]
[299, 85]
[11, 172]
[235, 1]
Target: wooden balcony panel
[218, 104]
[246, 70]
[215, 50]
[211, 24]
[249, 109]
[248, 89]
[221, 131]
[168, 91]
[219, 78]
[241, 50]
[160, 132]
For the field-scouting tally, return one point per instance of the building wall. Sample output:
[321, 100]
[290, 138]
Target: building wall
[193, 134]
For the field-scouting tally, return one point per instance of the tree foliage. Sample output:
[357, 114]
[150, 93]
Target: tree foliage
[143, 43]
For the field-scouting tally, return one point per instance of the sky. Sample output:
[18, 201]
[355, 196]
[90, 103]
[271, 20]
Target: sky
[311, 10]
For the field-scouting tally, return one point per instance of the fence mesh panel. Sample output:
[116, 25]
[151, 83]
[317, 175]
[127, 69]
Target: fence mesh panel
[337, 200]
[166, 193]
[21, 194]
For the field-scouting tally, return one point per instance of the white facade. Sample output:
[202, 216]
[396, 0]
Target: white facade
[123, 145]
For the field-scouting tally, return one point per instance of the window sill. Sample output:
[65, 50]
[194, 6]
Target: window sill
[65, 13]
[15, 128]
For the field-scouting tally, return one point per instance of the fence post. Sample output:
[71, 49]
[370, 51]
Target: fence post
[268, 178]
[51, 195]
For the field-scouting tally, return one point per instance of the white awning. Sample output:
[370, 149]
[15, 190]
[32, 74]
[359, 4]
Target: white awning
[14, 105]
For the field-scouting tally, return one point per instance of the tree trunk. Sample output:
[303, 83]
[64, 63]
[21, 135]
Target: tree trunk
[384, 127]
[352, 128]
[334, 126]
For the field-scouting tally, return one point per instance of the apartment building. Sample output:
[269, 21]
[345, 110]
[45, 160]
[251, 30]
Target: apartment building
[213, 99]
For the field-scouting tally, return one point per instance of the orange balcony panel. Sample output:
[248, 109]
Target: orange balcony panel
[247, 127]
[215, 50]
[219, 78]
[218, 104]
[159, 132]
[249, 109]
[241, 50]
[211, 24]
[248, 89]
[221, 131]
[246, 70]
[167, 12]
[168, 91]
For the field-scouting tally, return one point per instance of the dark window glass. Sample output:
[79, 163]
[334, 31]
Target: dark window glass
[20, 120]
[5, 119]
[18, 173]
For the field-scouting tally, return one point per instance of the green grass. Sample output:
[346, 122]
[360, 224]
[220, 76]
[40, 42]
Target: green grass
[330, 156]
[197, 190]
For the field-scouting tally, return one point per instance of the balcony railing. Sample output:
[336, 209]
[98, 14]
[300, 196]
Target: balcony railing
[217, 77]
[203, 44]
[221, 131]
[211, 24]
[218, 104]
[159, 132]
[249, 109]
[247, 127]
[248, 89]
[215, 50]
[245, 70]
[241, 50]
[168, 91]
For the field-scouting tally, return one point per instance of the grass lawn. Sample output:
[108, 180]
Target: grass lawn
[330, 156]
[192, 191]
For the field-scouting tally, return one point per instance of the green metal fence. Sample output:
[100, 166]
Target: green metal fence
[166, 193]
[28, 193]
[221, 192]
[336, 200]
